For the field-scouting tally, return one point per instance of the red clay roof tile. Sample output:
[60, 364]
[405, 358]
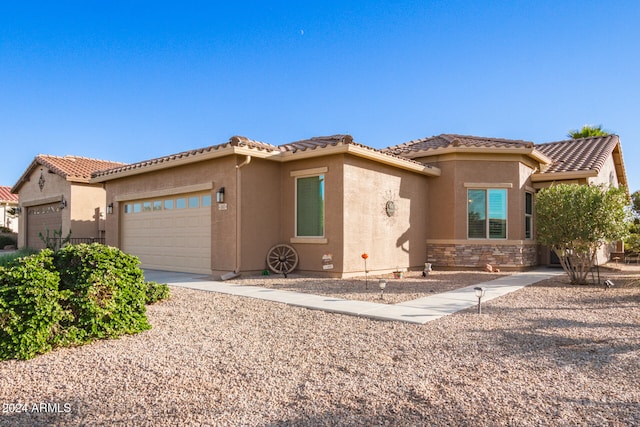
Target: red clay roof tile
[6, 195]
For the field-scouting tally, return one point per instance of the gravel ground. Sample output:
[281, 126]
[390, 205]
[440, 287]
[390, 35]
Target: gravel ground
[549, 354]
[410, 287]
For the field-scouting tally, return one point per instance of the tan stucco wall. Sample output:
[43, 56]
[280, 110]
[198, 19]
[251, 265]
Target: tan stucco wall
[55, 188]
[85, 205]
[396, 241]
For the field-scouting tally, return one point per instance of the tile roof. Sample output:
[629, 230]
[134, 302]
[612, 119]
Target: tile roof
[453, 140]
[578, 154]
[71, 168]
[318, 142]
[234, 141]
[6, 195]
[74, 168]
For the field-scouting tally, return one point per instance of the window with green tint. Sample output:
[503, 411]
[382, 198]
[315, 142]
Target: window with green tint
[146, 207]
[206, 201]
[168, 204]
[181, 203]
[487, 214]
[310, 206]
[157, 205]
[194, 202]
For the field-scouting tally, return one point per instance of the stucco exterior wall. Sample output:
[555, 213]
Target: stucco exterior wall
[311, 250]
[85, 206]
[392, 238]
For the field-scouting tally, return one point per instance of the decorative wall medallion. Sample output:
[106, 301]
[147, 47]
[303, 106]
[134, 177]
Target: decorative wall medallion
[390, 208]
[41, 181]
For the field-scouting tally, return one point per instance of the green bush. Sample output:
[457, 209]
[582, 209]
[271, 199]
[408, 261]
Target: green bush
[8, 258]
[156, 292]
[107, 292]
[30, 310]
[7, 240]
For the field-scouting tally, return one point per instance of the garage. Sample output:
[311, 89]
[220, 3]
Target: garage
[41, 218]
[170, 233]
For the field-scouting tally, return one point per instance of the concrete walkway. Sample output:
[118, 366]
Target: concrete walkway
[421, 310]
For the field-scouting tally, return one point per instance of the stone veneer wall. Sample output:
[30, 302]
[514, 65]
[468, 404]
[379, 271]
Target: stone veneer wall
[478, 255]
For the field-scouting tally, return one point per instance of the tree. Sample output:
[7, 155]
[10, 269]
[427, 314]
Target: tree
[576, 220]
[588, 131]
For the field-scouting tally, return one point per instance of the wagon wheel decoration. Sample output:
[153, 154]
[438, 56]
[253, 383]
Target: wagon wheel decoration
[282, 259]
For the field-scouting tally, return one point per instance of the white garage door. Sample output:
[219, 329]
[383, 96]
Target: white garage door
[171, 233]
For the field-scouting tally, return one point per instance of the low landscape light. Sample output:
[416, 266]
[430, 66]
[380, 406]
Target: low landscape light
[382, 284]
[480, 291]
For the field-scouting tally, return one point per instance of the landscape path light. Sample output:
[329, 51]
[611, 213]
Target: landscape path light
[479, 293]
[382, 284]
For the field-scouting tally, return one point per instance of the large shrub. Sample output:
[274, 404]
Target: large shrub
[30, 310]
[107, 291]
[6, 240]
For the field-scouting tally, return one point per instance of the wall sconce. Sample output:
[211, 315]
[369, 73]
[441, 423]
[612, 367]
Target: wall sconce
[18, 210]
[220, 195]
[110, 208]
[479, 293]
[382, 284]
[63, 204]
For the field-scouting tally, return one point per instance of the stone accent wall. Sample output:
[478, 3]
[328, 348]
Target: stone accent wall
[478, 255]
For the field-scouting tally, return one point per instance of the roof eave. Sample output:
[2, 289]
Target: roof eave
[362, 152]
[562, 176]
[185, 160]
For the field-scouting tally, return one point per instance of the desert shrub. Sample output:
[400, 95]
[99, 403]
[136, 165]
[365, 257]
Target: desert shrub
[6, 240]
[30, 310]
[156, 292]
[107, 292]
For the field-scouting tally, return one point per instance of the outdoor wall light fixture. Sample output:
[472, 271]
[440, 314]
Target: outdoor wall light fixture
[382, 284]
[479, 293]
[110, 208]
[18, 210]
[220, 195]
[63, 204]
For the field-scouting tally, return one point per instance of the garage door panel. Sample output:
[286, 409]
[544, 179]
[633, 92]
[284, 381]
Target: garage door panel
[173, 239]
[40, 219]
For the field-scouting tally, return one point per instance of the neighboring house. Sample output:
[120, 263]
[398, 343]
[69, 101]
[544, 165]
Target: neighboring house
[55, 195]
[454, 201]
[8, 202]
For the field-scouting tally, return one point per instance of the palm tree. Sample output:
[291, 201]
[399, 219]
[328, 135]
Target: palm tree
[588, 131]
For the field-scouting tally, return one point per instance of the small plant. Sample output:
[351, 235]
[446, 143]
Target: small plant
[156, 292]
[7, 241]
[56, 241]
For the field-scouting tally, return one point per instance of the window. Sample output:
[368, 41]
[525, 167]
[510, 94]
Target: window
[146, 207]
[137, 207]
[487, 214]
[528, 215]
[181, 203]
[128, 208]
[194, 202]
[310, 206]
[168, 204]
[157, 205]
[206, 201]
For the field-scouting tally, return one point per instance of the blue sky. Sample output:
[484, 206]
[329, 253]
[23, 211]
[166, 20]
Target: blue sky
[134, 80]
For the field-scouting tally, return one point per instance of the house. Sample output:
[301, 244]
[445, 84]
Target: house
[56, 198]
[8, 203]
[452, 200]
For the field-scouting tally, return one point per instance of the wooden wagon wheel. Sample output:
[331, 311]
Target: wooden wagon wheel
[282, 259]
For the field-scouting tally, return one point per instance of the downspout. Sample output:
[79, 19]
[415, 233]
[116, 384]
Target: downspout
[246, 161]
